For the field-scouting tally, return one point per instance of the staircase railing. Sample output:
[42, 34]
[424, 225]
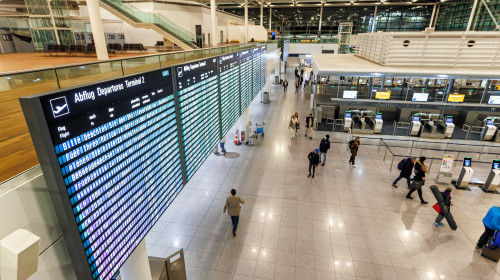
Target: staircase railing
[159, 20]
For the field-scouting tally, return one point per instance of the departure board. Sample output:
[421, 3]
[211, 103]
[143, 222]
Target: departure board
[111, 153]
[198, 94]
[246, 79]
[256, 71]
[263, 66]
[229, 90]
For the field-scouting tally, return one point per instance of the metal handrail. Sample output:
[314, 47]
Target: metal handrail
[398, 125]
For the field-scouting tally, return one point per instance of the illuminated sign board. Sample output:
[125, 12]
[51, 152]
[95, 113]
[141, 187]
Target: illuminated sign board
[246, 78]
[350, 94]
[229, 69]
[494, 100]
[198, 93]
[456, 97]
[420, 97]
[383, 95]
[110, 154]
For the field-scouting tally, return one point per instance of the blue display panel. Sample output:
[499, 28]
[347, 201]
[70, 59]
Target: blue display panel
[256, 71]
[263, 66]
[246, 79]
[229, 71]
[115, 146]
[197, 85]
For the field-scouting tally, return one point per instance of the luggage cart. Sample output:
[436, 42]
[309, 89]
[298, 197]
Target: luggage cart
[259, 129]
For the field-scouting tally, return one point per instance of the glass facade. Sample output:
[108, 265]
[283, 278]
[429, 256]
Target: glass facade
[304, 21]
[454, 15]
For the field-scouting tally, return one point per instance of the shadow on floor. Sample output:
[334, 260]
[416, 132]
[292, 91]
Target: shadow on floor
[232, 155]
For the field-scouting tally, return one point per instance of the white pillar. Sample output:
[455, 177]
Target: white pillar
[320, 19]
[97, 29]
[137, 264]
[261, 12]
[270, 17]
[471, 15]
[214, 23]
[374, 18]
[432, 16]
[246, 21]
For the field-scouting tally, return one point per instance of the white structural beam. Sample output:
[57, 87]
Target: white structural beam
[320, 19]
[261, 12]
[374, 18]
[214, 23]
[471, 17]
[97, 29]
[270, 17]
[432, 16]
[246, 21]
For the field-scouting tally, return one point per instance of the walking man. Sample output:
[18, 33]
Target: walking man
[233, 208]
[309, 125]
[406, 172]
[222, 142]
[297, 85]
[354, 146]
[285, 85]
[296, 72]
[313, 161]
[324, 146]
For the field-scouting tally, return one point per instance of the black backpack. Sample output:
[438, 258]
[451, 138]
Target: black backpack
[401, 164]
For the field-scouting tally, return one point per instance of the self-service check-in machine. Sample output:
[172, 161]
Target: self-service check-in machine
[347, 120]
[433, 125]
[377, 126]
[415, 125]
[493, 179]
[448, 126]
[465, 174]
[489, 129]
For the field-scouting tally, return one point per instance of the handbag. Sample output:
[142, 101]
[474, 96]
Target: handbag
[417, 185]
[297, 125]
[437, 208]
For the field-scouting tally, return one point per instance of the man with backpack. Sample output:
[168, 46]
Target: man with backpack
[324, 146]
[406, 167]
[313, 161]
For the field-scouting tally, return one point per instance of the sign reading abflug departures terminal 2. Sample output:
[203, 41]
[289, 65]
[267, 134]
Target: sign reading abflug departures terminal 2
[110, 154]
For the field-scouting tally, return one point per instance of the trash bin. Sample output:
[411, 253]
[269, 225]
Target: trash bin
[276, 80]
[265, 97]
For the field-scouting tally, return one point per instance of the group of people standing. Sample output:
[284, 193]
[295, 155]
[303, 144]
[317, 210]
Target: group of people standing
[299, 80]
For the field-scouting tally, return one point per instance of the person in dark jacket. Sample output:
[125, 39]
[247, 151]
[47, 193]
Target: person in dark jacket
[309, 125]
[419, 181]
[313, 161]
[296, 72]
[297, 85]
[491, 223]
[301, 80]
[285, 85]
[419, 164]
[324, 146]
[354, 146]
[406, 172]
[447, 202]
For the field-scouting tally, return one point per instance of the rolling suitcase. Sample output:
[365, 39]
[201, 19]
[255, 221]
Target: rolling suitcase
[444, 209]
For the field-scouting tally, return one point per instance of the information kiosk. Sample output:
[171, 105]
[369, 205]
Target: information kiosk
[377, 128]
[415, 125]
[465, 174]
[449, 126]
[494, 178]
[347, 120]
[489, 129]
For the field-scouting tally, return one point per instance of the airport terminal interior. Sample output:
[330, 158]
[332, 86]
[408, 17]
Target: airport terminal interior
[249, 140]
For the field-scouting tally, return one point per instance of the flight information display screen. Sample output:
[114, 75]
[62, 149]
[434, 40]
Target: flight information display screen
[114, 157]
[263, 66]
[229, 70]
[198, 94]
[256, 69]
[246, 78]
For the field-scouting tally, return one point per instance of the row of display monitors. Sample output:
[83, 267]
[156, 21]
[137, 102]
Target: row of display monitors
[419, 97]
[115, 153]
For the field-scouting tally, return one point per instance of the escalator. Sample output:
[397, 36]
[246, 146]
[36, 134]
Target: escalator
[157, 22]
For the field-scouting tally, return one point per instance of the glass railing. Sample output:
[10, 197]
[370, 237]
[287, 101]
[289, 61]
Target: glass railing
[159, 20]
[18, 152]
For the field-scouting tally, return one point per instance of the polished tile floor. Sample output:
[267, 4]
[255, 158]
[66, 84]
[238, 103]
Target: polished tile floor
[346, 223]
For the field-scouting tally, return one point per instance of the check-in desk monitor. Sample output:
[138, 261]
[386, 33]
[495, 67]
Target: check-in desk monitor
[350, 94]
[347, 120]
[494, 100]
[493, 180]
[415, 126]
[377, 127]
[420, 97]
